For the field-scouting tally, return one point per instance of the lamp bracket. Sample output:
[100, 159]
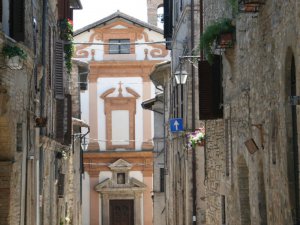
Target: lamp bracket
[294, 100]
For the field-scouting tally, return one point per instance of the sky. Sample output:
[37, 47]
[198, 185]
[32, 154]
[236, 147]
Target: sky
[94, 10]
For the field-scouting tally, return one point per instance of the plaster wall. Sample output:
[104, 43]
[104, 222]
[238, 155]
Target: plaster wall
[103, 84]
[139, 52]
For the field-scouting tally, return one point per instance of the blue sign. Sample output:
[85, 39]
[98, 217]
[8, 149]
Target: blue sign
[176, 125]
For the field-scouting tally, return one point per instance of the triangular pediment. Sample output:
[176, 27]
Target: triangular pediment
[109, 186]
[120, 165]
[136, 183]
[104, 184]
[118, 19]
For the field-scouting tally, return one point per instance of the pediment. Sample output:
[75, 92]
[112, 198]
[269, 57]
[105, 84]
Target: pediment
[104, 184]
[109, 185]
[137, 183]
[120, 165]
[118, 92]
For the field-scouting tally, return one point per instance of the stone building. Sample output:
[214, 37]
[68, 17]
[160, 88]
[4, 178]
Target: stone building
[247, 101]
[118, 163]
[35, 126]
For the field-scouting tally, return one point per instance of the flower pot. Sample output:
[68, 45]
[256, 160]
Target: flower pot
[41, 121]
[15, 62]
[225, 41]
[251, 6]
[202, 143]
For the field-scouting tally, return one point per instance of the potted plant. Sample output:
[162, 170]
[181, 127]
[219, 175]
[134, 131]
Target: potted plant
[215, 34]
[248, 6]
[196, 138]
[14, 56]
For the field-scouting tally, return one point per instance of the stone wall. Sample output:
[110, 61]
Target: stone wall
[214, 170]
[256, 90]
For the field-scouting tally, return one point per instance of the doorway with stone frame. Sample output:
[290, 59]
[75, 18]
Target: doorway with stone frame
[121, 212]
[121, 196]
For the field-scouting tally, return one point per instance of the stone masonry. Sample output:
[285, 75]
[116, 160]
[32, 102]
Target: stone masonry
[260, 187]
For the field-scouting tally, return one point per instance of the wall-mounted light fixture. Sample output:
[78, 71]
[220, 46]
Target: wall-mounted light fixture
[181, 76]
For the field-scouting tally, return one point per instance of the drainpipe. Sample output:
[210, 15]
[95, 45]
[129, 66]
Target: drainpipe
[201, 27]
[80, 123]
[194, 178]
[43, 81]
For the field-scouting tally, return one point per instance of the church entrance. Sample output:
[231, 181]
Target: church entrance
[121, 212]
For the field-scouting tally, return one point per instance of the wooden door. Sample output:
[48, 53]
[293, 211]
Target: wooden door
[121, 212]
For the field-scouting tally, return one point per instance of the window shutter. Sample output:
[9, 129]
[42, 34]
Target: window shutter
[59, 70]
[60, 108]
[63, 9]
[210, 90]
[17, 14]
[61, 185]
[50, 56]
[68, 120]
[168, 18]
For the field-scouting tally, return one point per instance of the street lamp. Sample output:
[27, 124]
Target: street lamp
[181, 76]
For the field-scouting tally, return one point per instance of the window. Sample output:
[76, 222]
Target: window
[116, 46]
[223, 212]
[162, 179]
[12, 14]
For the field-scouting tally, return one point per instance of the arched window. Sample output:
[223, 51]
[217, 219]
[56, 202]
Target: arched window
[160, 16]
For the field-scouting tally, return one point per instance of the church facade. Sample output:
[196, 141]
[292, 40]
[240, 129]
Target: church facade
[118, 181]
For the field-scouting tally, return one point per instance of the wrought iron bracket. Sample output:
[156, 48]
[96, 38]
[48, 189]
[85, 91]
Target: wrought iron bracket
[294, 100]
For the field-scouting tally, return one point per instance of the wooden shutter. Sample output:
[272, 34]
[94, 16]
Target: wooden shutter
[210, 90]
[49, 56]
[16, 19]
[59, 70]
[63, 9]
[61, 185]
[168, 8]
[68, 120]
[60, 109]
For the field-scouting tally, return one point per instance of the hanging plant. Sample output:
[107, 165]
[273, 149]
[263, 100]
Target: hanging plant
[212, 34]
[66, 26]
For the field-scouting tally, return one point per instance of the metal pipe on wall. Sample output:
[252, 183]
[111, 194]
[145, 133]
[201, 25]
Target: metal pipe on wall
[194, 178]
[43, 81]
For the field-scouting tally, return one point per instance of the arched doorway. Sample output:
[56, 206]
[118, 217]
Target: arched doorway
[292, 139]
[243, 185]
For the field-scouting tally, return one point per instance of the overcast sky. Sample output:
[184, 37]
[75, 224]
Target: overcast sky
[94, 10]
